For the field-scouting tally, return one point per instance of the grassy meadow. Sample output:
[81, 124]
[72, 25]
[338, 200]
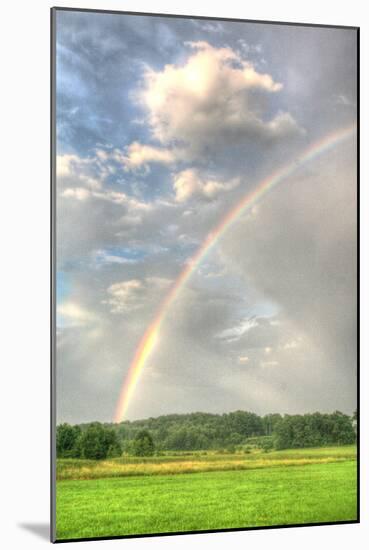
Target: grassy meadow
[133, 495]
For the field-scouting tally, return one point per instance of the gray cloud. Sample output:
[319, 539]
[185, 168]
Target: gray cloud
[301, 253]
[268, 320]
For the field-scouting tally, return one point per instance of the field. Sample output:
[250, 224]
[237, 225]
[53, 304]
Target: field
[219, 491]
[183, 463]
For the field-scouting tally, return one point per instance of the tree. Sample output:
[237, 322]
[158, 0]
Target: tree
[114, 451]
[311, 430]
[270, 421]
[284, 433]
[177, 439]
[245, 423]
[112, 444]
[267, 444]
[94, 442]
[343, 430]
[67, 441]
[143, 444]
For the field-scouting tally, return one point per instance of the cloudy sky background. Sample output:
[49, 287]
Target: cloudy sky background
[163, 125]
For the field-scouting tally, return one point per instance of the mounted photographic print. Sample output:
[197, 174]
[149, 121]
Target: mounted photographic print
[204, 285]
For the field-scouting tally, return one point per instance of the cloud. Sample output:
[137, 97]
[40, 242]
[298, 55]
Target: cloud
[233, 334]
[78, 193]
[72, 314]
[64, 165]
[139, 155]
[293, 344]
[93, 212]
[127, 296]
[216, 97]
[249, 48]
[189, 184]
[297, 251]
[341, 99]
[209, 26]
[82, 178]
[301, 254]
[116, 197]
[105, 257]
[88, 171]
[222, 114]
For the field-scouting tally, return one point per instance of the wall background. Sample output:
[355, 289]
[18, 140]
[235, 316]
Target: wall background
[24, 301]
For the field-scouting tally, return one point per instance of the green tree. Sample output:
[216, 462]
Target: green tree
[269, 422]
[267, 444]
[177, 438]
[94, 442]
[143, 444]
[343, 430]
[111, 441]
[284, 433]
[114, 450]
[245, 423]
[67, 441]
[310, 430]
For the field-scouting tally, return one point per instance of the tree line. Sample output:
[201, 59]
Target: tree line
[204, 431]
[94, 442]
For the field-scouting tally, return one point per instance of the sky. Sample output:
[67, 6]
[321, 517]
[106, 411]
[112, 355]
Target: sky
[163, 126]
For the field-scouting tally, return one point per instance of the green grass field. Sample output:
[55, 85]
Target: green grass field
[277, 488]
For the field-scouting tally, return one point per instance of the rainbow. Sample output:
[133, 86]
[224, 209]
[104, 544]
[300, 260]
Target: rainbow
[150, 337]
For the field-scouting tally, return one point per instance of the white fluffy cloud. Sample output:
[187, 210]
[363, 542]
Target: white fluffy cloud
[138, 155]
[116, 197]
[78, 193]
[189, 183]
[214, 98]
[84, 178]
